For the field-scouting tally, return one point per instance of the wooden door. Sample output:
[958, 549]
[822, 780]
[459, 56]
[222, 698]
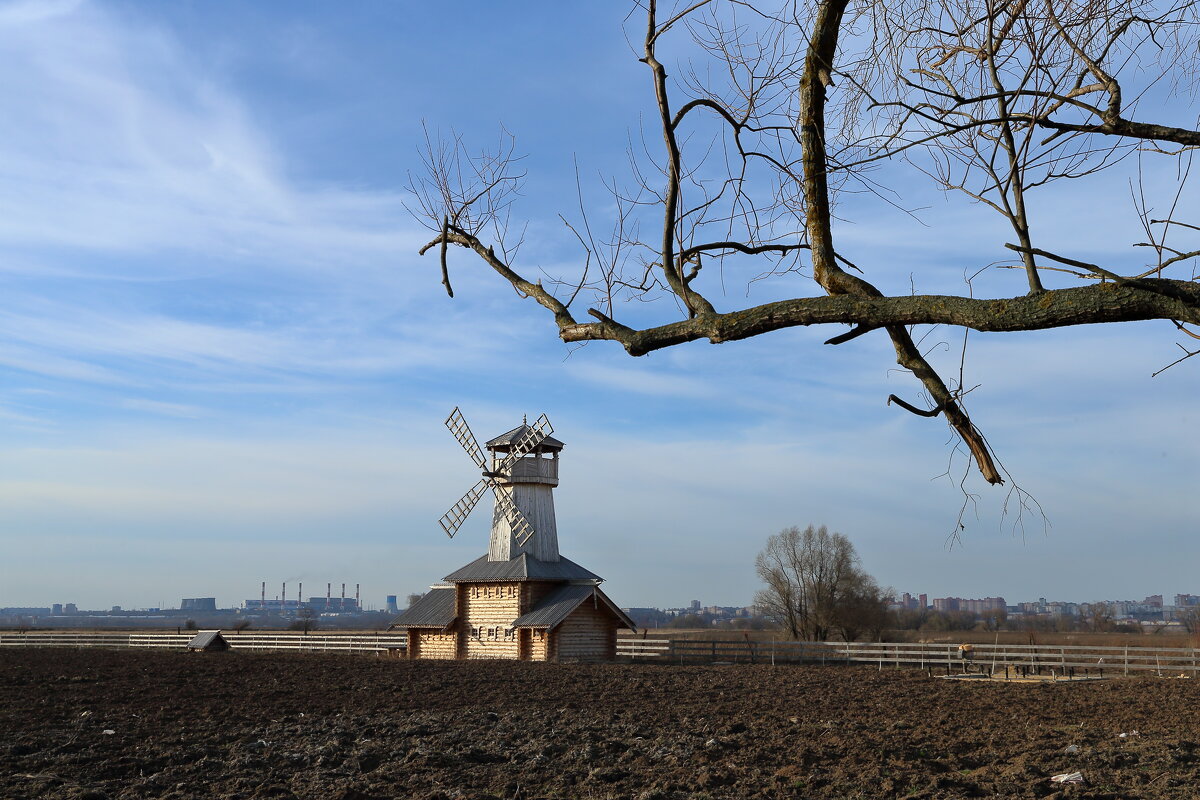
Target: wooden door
[524, 643]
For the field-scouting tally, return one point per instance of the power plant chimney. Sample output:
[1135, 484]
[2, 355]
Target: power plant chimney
[328, 595]
[300, 595]
[283, 598]
[263, 607]
[357, 607]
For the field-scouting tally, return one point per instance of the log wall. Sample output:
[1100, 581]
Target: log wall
[486, 613]
[538, 646]
[532, 593]
[432, 645]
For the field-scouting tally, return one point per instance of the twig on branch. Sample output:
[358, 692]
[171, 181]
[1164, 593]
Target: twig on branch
[933, 412]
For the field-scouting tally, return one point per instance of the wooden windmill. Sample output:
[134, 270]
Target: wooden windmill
[522, 599]
[522, 471]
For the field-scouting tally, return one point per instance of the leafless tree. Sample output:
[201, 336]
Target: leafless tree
[775, 112]
[306, 620]
[814, 586]
[863, 609]
[1099, 618]
[1189, 618]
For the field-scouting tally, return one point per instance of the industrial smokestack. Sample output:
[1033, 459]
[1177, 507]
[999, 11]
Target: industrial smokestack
[328, 595]
[357, 607]
[264, 597]
[300, 595]
[283, 597]
[343, 597]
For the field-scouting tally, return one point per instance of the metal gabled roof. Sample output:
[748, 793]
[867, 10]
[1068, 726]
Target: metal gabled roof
[506, 439]
[434, 610]
[208, 640]
[522, 568]
[559, 604]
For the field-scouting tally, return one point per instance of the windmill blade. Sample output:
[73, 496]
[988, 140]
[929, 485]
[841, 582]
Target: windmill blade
[453, 519]
[462, 431]
[520, 526]
[534, 435]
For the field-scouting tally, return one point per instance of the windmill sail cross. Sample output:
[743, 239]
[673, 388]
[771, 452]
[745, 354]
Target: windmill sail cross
[523, 474]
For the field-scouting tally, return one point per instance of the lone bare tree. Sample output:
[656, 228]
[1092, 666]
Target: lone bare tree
[778, 109]
[814, 586]
[1189, 618]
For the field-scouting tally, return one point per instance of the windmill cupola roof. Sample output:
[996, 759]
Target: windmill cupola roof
[505, 441]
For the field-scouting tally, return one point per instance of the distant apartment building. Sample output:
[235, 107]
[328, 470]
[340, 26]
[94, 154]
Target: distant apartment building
[1185, 600]
[909, 603]
[975, 606]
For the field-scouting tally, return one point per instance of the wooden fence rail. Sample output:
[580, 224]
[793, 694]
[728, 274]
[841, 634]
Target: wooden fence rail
[294, 641]
[1040, 659]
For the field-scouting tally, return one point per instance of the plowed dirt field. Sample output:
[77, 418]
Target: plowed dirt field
[93, 724]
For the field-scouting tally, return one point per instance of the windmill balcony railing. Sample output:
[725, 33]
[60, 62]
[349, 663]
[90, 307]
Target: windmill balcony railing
[533, 467]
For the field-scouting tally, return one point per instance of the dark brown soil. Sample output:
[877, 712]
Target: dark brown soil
[93, 724]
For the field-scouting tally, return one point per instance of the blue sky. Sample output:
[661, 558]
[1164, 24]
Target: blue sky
[222, 361]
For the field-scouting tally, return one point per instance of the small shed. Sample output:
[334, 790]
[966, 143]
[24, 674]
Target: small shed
[430, 625]
[578, 623]
[208, 642]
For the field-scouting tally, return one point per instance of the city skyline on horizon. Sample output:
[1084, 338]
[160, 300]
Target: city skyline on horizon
[368, 605]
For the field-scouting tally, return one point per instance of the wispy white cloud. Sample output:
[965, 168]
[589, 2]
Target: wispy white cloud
[181, 410]
[127, 144]
[646, 381]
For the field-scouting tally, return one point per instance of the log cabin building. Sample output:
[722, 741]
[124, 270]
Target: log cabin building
[522, 599]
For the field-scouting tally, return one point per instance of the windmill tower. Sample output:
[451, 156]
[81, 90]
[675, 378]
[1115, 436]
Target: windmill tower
[521, 469]
[529, 485]
[522, 599]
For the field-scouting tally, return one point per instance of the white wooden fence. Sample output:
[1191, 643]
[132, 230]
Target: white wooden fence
[273, 640]
[1010, 659]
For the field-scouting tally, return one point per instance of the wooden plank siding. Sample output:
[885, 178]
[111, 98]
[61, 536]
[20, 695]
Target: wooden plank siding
[588, 634]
